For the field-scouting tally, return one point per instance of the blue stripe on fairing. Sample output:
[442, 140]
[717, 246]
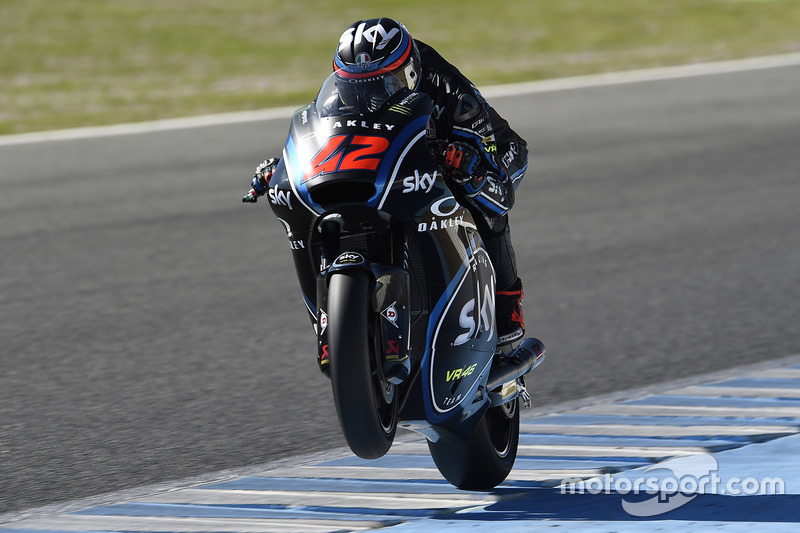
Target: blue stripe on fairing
[711, 401]
[309, 304]
[584, 420]
[771, 383]
[257, 511]
[522, 462]
[389, 161]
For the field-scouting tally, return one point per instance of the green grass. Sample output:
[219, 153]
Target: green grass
[67, 63]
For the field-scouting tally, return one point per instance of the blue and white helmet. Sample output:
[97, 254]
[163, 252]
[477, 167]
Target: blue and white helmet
[374, 47]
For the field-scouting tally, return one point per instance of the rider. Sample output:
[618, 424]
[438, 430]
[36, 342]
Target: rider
[484, 157]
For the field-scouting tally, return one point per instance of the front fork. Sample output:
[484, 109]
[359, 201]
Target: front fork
[389, 304]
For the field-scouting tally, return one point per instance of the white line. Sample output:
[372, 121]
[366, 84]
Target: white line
[778, 373]
[559, 84]
[689, 411]
[575, 450]
[169, 524]
[657, 431]
[150, 127]
[653, 74]
[373, 500]
[736, 392]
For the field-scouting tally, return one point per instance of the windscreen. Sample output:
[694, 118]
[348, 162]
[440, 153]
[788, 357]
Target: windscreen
[341, 95]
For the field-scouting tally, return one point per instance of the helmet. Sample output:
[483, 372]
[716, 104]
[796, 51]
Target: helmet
[374, 47]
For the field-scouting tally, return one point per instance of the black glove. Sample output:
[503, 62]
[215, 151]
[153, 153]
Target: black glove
[260, 182]
[461, 165]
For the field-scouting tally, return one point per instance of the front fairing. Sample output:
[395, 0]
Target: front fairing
[351, 164]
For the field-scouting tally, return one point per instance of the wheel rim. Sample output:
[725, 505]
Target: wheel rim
[499, 421]
[384, 391]
[384, 405]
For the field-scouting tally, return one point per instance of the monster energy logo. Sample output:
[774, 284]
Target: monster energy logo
[403, 110]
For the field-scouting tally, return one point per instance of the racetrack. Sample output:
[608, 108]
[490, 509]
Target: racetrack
[151, 327]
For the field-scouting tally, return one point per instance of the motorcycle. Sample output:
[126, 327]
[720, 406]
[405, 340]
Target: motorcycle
[397, 283]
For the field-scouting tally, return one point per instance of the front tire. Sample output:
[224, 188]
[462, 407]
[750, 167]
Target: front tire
[365, 403]
[485, 460]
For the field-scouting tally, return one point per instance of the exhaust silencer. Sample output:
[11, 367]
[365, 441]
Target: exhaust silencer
[527, 356]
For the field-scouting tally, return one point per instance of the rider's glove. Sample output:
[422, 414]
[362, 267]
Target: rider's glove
[461, 163]
[260, 182]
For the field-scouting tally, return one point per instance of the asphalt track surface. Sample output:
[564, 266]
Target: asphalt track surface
[151, 327]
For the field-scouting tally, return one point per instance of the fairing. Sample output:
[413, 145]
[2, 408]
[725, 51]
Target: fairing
[371, 177]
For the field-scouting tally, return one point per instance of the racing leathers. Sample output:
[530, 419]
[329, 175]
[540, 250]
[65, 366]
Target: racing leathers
[484, 161]
[461, 116]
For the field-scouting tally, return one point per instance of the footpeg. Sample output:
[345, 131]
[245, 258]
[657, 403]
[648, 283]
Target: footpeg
[525, 397]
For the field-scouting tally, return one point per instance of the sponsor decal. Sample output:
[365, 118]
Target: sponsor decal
[373, 34]
[430, 132]
[349, 258]
[363, 60]
[347, 152]
[445, 207]
[443, 223]
[393, 348]
[390, 314]
[363, 124]
[467, 108]
[510, 155]
[403, 110]
[452, 400]
[452, 375]
[325, 358]
[410, 99]
[323, 323]
[482, 320]
[489, 144]
[279, 197]
[419, 182]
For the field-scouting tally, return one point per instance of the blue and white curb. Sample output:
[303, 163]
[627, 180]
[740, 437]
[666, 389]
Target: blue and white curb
[576, 468]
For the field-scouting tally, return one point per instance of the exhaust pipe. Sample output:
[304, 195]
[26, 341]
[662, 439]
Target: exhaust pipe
[527, 356]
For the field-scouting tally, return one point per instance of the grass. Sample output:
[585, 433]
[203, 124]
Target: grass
[68, 63]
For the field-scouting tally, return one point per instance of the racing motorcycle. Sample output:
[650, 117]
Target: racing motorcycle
[397, 283]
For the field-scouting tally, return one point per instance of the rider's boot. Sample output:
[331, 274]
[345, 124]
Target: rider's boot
[510, 315]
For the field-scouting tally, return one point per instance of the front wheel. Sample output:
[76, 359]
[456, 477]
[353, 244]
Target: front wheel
[485, 460]
[365, 402]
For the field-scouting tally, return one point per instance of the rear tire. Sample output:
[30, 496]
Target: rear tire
[365, 403]
[485, 460]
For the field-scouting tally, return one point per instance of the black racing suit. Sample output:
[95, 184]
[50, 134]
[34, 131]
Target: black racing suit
[460, 113]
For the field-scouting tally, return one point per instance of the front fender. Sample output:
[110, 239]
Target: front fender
[389, 303]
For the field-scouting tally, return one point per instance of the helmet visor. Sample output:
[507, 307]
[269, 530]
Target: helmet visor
[367, 95]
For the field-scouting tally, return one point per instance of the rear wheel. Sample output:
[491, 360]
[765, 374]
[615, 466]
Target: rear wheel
[365, 402]
[485, 460]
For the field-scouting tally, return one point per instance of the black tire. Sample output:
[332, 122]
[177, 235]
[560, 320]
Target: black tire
[365, 404]
[485, 460]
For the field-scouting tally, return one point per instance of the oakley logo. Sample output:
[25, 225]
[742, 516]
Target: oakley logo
[373, 34]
